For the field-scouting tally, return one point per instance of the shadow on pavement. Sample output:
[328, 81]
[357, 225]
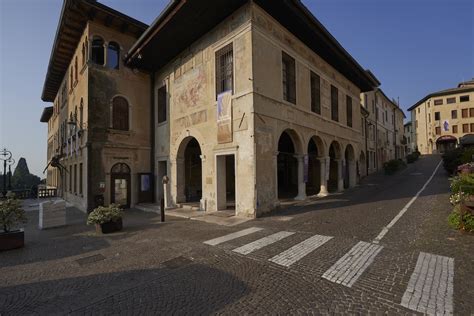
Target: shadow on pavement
[189, 289]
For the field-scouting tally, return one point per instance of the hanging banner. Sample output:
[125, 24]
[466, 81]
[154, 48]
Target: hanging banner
[224, 117]
[446, 126]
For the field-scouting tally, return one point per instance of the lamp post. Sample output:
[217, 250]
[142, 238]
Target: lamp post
[5, 155]
[10, 163]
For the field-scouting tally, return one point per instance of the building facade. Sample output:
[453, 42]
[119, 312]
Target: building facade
[243, 111]
[409, 136]
[442, 117]
[98, 126]
[385, 131]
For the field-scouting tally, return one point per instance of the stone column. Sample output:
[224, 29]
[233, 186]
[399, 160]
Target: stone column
[301, 184]
[323, 176]
[340, 178]
[179, 181]
[275, 163]
[105, 53]
[202, 202]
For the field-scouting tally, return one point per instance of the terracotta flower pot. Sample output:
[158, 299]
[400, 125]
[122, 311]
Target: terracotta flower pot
[12, 240]
[109, 227]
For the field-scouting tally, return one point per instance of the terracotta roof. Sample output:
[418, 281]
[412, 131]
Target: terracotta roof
[46, 115]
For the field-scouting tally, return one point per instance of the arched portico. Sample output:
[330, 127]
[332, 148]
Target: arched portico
[335, 182]
[350, 172]
[189, 171]
[316, 172]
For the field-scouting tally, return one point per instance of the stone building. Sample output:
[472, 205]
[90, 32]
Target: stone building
[99, 124]
[442, 117]
[385, 131]
[254, 104]
[409, 135]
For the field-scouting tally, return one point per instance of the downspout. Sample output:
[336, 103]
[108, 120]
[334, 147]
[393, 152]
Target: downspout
[152, 138]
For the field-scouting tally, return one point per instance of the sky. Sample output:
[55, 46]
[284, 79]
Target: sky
[414, 47]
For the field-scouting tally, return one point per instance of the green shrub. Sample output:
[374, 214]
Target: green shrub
[458, 220]
[411, 158]
[11, 214]
[463, 183]
[452, 159]
[393, 166]
[105, 214]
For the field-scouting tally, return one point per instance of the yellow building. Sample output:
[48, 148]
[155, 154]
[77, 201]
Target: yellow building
[442, 117]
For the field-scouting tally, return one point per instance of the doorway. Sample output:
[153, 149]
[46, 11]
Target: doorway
[287, 168]
[225, 174]
[120, 185]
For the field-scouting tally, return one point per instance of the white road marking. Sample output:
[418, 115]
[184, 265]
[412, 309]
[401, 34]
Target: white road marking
[265, 241]
[403, 211]
[298, 251]
[235, 235]
[349, 268]
[430, 289]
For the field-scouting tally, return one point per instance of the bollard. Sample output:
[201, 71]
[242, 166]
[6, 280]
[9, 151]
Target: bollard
[162, 209]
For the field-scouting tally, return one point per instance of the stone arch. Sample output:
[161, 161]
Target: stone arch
[349, 167]
[189, 171]
[296, 138]
[335, 157]
[362, 165]
[315, 152]
[287, 165]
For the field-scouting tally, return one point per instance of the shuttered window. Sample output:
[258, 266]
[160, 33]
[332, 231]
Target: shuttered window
[334, 104]
[349, 110]
[120, 114]
[315, 93]
[289, 78]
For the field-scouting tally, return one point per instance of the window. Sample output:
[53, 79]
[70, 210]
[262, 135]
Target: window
[289, 78]
[81, 115]
[334, 104]
[418, 110]
[437, 116]
[71, 75]
[465, 113]
[113, 55]
[75, 178]
[438, 130]
[454, 114]
[450, 100]
[366, 101]
[120, 114]
[316, 93]
[87, 50]
[98, 51]
[162, 96]
[80, 179]
[76, 70]
[416, 124]
[225, 69]
[83, 53]
[471, 112]
[465, 128]
[70, 177]
[438, 102]
[429, 117]
[464, 98]
[349, 110]
[455, 129]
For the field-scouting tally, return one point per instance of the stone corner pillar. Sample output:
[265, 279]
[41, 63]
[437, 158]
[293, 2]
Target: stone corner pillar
[301, 184]
[323, 191]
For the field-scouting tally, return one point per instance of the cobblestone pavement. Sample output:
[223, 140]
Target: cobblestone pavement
[317, 258]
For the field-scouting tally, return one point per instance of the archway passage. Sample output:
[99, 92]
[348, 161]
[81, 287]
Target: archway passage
[349, 168]
[313, 184]
[287, 168]
[335, 156]
[446, 143]
[189, 171]
[120, 185]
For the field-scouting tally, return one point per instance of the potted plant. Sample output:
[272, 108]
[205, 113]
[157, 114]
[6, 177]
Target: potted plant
[107, 219]
[11, 215]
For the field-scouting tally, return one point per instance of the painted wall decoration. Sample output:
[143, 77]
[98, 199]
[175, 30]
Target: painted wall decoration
[224, 117]
[446, 126]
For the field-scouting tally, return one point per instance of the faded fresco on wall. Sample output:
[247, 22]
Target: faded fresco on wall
[224, 117]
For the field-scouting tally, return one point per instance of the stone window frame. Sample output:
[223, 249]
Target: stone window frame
[111, 107]
[288, 79]
[225, 50]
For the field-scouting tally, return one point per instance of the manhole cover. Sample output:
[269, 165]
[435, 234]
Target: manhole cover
[177, 262]
[91, 259]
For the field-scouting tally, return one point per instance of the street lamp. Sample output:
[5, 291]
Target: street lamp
[10, 163]
[5, 155]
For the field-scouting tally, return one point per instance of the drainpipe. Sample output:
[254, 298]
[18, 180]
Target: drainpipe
[152, 138]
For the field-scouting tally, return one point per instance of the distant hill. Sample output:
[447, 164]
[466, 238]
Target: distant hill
[21, 178]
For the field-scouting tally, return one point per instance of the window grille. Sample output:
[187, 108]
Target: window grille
[225, 69]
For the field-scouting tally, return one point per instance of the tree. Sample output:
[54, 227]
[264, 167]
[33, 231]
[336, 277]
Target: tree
[22, 178]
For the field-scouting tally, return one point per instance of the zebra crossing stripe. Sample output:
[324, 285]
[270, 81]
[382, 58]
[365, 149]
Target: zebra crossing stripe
[299, 251]
[430, 289]
[260, 243]
[349, 268]
[222, 239]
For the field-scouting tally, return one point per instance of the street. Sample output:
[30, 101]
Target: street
[382, 247]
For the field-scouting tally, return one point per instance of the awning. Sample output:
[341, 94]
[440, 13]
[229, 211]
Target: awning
[446, 139]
